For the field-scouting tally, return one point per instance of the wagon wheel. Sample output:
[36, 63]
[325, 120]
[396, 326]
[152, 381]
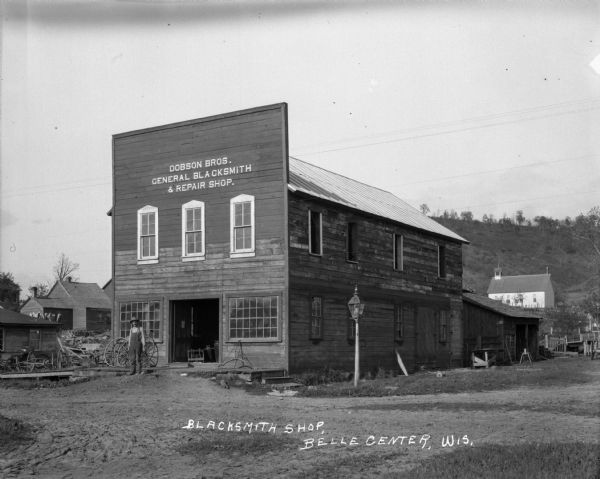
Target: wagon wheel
[37, 362]
[150, 354]
[109, 355]
[122, 355]
[236, 363]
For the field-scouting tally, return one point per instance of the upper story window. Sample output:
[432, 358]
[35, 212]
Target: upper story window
[242, 226]
[192, 235]
[352, 242]
[441, 261]
[316, 318]
[315, 232]
[148, 234]
[398, 252]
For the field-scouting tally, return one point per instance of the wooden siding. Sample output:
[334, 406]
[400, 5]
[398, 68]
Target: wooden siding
[257, 138]
[17, 338]
[379, 285]
[483, 328]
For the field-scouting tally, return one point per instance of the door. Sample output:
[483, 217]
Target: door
[426, 337]
[194, 325]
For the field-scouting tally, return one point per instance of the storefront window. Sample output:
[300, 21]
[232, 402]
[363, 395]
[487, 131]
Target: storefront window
[254, 317]
[147, 312]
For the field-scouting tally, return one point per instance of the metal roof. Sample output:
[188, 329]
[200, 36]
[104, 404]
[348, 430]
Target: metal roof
[499, 307]
[530, 283]
[318, 182]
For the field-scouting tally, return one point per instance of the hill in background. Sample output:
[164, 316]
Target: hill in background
[571, 261]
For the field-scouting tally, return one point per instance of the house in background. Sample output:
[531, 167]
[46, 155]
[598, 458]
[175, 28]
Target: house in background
[526, 291]
[491, 325]
[75, 305]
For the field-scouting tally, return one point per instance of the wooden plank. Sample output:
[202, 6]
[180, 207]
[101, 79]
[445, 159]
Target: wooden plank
[38, 375]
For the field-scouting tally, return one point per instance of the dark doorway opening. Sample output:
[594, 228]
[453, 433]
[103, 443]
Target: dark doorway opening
[195, 326]
[522, 341]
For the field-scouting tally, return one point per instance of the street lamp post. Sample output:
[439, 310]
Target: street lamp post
[356, 310]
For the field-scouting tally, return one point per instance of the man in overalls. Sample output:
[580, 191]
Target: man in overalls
[137, 342]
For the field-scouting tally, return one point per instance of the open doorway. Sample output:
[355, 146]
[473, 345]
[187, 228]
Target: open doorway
[195, 326]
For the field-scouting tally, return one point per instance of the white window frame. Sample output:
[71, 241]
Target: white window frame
[185, 256]
[153, 258]
[245, 252]
[399, 255]
[320, 252]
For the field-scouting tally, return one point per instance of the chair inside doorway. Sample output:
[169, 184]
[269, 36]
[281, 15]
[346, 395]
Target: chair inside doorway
[195, 355]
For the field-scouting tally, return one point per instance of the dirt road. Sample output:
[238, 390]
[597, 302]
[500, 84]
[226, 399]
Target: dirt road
[134, 427]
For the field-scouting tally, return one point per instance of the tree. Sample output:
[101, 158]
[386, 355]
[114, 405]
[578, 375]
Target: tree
[568, 320]
[64, 267]
[587, 227]
[39, 289]
[466, 216]
[9, 291]
[591, 305]
[519, 218]
[424, 209]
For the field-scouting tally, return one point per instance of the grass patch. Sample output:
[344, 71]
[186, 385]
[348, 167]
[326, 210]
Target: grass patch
[236, 444]
[321, 376]
[591, 410]
[527, 461]
[13, 433]
[33, 383]
[531, 461]
[545, 374]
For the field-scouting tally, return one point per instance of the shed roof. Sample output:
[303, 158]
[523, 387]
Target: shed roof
[520, 284]
[324, 184]
[44, 302]
[14, 318]
[89, 295]
[499, 307]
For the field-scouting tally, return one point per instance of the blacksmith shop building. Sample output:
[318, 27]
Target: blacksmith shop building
[220, 238]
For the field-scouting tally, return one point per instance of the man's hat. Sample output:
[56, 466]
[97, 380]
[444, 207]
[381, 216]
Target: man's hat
[133, 319]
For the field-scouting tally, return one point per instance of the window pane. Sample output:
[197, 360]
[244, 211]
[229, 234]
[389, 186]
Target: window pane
[315, 232]
[189, 220]
[238, 214]
[151, 222]
[145, 246]
[246, 216]
[197, 219]
[148, 312]
[250, 317]
[152, 245]
[351, 242]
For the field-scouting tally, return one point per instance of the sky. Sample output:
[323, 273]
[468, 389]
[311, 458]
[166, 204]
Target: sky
[488, 107]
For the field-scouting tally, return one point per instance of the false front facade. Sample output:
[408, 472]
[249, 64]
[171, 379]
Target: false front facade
[221, 240]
